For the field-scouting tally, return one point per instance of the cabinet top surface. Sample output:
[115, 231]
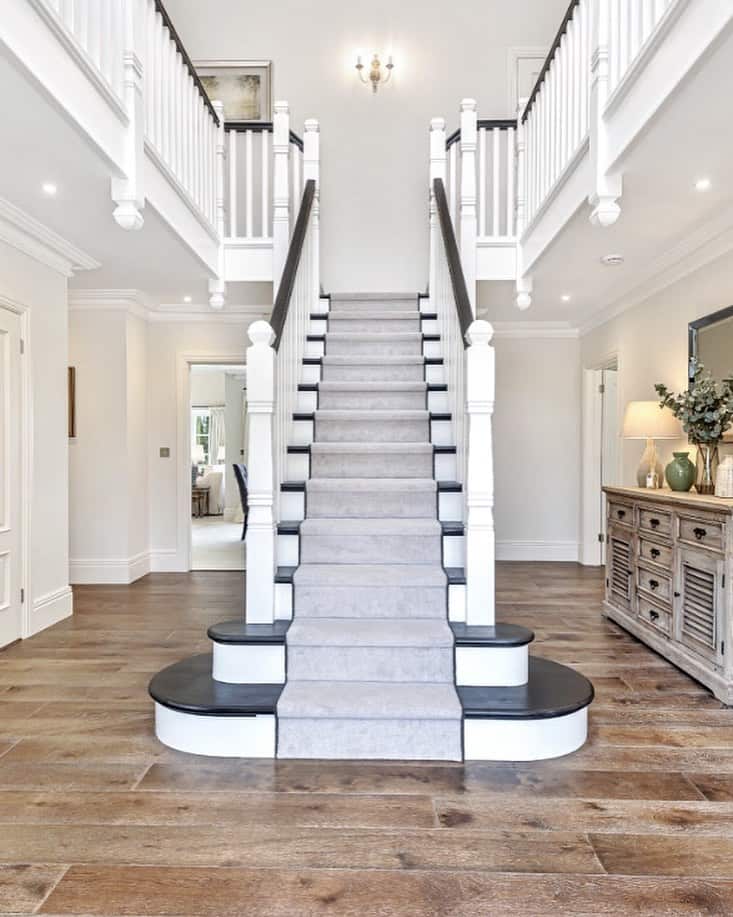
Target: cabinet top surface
[672, 497]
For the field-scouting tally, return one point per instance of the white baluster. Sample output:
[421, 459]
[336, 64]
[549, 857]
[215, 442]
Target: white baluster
[510, 178]
[296, 156]
[453, 180]
[437, 169]
[280, 190]
[265, 157]
[468, 197]
[233, 183]
[217, 286]
[480, 538]
[311, 171]
[261, 525]
[248, 184]
[482, 201]
[496, 182]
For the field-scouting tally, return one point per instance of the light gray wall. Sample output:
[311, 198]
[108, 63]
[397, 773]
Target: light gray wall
[374, 148]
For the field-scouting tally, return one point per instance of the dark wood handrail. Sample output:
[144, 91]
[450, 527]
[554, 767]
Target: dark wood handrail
[458, 281]
[549, 59]
[294, 138]
[257, 127]
[489, 124]
[290, 271]
[186, 59]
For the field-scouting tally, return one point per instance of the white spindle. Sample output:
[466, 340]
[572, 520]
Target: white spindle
[265, 153]
[453, 178]
[482, 202]
[496, 181]
[233, 170]
[510, 176]
[248, 184]
[437, 169]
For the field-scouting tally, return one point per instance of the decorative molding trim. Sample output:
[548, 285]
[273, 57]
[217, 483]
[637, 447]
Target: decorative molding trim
[135, 303]
[165, 560]
[131, 301]
[535, 330]
[34, 238]
[114, 570]
[555, 551]
[51, 608]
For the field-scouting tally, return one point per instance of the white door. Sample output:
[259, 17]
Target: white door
[610, 442]
[10, 479]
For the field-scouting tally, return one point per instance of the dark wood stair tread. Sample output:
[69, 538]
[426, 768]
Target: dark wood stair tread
[552, 690]
[241, 633]
[496, 635]
[188, 687]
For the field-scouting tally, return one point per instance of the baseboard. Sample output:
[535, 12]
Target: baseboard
[559, 551]
[89, 571]
[51, 608]
[166, 560]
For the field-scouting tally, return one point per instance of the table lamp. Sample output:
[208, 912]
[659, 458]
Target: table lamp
[646, 420]
[198, 456]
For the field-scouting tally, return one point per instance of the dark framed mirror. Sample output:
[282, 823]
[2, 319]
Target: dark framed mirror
[710, 342]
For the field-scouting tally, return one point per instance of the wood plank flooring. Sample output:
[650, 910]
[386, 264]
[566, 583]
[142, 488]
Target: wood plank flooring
[98, 818]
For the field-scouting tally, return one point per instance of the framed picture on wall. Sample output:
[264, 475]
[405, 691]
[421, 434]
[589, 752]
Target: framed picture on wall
[245, 87]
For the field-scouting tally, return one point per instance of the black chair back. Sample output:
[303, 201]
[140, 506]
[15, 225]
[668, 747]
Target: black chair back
[240, 473]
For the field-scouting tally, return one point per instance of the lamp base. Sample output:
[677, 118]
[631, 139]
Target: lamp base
[649, 462]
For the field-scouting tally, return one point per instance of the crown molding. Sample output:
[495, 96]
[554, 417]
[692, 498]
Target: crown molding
[34, 238]
[535, 330]
[137, 303]
[709, 242]
[128, 301]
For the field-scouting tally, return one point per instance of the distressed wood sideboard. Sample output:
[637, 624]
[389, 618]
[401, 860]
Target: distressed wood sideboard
[669, 571]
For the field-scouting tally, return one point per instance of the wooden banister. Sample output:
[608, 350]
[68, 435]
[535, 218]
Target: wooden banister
[290, 271]
[458, 281]
[549, 59]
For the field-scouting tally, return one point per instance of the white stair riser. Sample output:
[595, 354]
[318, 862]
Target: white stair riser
[216, 736]
[456, 603]
[254, 664]
[445, 467]
[371, 505]
[307, 402]
[314, 349]
[283, 601]
[391, 346]
[492, 666]
[318, 325]
[432, 349]
[323, 305]
[370, 663]
[287, 550]
[435, 374]
[450, 507]
[438, 402]
[441, 433]
[311, 375]
[292, 505]
[301, 433]
[524, 740]
[370, 549]
[298, 466]
[454, 551]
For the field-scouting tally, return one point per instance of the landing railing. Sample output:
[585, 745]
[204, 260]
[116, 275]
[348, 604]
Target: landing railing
[630, 24]
[468, 361]
[274, 366]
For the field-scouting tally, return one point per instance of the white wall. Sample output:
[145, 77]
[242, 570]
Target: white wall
[207, 388]
[374, 173]
[41, 292]
[537, 448]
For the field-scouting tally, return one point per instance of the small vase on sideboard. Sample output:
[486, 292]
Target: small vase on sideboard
[680, 473]
[708, 460]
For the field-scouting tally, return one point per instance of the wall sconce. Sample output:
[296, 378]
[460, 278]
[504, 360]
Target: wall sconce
[375, 71]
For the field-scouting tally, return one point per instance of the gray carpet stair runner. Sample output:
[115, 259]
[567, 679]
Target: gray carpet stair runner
[370, 653]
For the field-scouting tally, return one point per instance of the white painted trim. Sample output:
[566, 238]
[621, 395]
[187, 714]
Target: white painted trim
[217, 736]
[492, 666]
[559, 551]
[514, 55]
[121, 570]
[51, 608]
[535, 330]
[524, 740]
[134, 302]
[164, 560]
[251, 664]
[35, 239]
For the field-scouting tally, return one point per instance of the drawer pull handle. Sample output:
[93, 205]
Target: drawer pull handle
[654, 523]
[621, 513]
[654, 584]
[677, 594]
[700, 533]
[655, 552]
[653, 615]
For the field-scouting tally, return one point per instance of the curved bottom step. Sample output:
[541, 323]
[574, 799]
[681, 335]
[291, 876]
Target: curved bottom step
[546, 718]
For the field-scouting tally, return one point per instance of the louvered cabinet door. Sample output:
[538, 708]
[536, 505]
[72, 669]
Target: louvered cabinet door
[700, 603]
[620, 568]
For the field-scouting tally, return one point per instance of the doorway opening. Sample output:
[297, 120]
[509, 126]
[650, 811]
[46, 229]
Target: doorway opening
[217, 413]
[601, 455]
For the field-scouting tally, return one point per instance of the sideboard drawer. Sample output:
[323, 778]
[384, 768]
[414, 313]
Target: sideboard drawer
[656, 616]
[701, 531]
[657, 584]
[652, 520]
[655, 553]
[620, 512]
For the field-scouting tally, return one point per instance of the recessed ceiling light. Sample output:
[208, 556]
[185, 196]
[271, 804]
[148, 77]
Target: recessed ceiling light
[703, 184]
[612, 260]
[49, 188]
[187, 299]
[565, 297]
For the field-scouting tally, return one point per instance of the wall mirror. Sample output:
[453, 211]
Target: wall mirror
[711, 343]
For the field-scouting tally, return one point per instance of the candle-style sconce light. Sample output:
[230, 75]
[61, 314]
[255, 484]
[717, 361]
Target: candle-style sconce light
[377, 74]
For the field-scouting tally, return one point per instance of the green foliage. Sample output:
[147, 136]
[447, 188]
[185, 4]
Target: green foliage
[705, 409]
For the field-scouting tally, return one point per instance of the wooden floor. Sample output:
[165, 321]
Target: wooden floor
[98, 818]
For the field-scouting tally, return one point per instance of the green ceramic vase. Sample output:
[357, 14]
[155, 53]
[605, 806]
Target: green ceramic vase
[680, 473]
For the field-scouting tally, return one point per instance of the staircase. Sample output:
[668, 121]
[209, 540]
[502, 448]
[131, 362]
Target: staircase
[370, 652]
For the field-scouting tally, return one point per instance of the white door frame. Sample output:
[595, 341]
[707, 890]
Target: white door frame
[26, 460]
[183, 484]
[590, 503]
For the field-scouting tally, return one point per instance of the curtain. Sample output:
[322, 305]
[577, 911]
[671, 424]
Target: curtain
[217, 434]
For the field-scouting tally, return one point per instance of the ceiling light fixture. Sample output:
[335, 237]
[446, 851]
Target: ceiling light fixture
[703, 184]
[375, 71]
[565, 297]
[49, 188]
[187, 299]
[612, 260]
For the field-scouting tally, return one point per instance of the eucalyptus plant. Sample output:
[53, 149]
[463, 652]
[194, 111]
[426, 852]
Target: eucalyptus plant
[705, 409]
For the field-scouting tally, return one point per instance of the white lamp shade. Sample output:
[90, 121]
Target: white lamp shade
[646, 420]
[198, 456]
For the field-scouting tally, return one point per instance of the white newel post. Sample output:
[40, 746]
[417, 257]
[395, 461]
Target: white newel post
[438, 167]
[261, 524]
[469, 227]
[217, 285]
[128, 192]
[280, 190]
[524, 284]
[480, 537]
[607, 189]
[312, 169]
